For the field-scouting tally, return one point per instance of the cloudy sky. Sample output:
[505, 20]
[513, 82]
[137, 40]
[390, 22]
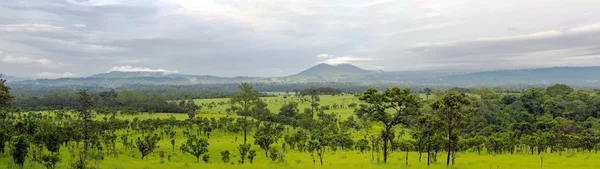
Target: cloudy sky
[70, 38]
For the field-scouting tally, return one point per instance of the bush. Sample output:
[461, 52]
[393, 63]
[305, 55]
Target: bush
[225, 156]
[205, 158]
[276, 155]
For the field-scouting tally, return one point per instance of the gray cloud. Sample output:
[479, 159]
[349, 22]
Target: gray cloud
[281, 37]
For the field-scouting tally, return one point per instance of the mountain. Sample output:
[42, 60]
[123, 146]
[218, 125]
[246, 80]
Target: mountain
[344, 73]
[335, 70]
[12, 78]
[584, 76]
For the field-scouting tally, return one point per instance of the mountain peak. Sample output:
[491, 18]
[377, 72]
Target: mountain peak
[324, 69]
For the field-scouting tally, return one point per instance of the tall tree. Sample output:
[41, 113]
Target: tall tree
[195, 146]
[392, 107]
[313, 95]
[85, 104]
[246, 98]
[450, 109]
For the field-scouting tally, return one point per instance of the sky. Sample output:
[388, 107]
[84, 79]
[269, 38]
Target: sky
[77, 38]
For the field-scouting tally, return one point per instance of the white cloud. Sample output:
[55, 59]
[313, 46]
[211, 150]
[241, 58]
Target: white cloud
[140, 69]
[346, 60]
[29, 27]
[324, 55]
[32, 61]
[80, 25]
[53, 75]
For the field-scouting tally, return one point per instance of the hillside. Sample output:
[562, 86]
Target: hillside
[585, 76]
[335, 70]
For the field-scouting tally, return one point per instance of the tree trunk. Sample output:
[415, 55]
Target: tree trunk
[406, 156]
[449, 138]
[197, 159]
[245, 126]
[385, 143]
[267, 152]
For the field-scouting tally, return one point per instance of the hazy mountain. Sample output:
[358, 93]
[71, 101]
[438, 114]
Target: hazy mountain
[335, 70]
[345, 73]
[12, 78]
[586, 76]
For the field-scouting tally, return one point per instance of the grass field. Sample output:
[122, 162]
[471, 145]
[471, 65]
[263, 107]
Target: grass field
[219, 141]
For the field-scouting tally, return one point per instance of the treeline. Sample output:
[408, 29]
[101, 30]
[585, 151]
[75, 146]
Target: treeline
[126, 100]
[200, 91]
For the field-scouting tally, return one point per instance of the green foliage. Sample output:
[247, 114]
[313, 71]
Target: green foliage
[243, 149]
[244, 102]
[195, 146]
[225, 156]
[251, 155]
[400, 102]
[49, 160]
[205, 158]
[147, 145]
[267, 134]
[449, 109]
[19, 150]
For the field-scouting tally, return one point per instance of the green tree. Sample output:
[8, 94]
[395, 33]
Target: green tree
[195, 146]
[313, 94]
[225, 156]
[50, 160]
[147, 145]
[267, 134]
[85, 104]
[427, 93]
[243, 149]
[246, 98]
[533, 100]
[450, 109]
[558, 90]
[19, 149]
[5, 96]
[251, 155]
[426, 131]
[392, 107]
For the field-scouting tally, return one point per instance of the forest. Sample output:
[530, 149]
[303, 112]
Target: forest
[315, 127]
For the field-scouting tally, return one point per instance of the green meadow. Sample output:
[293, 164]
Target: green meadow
[130, 158]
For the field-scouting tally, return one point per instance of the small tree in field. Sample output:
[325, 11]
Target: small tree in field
[195, 147]
[205, 158]
[225, 156]
[251, 155]
[266, 135]
[147, 145]
[243, 148]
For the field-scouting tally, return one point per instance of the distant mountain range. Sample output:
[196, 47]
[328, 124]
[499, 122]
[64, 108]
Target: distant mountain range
[343, 73]
[12, 78]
